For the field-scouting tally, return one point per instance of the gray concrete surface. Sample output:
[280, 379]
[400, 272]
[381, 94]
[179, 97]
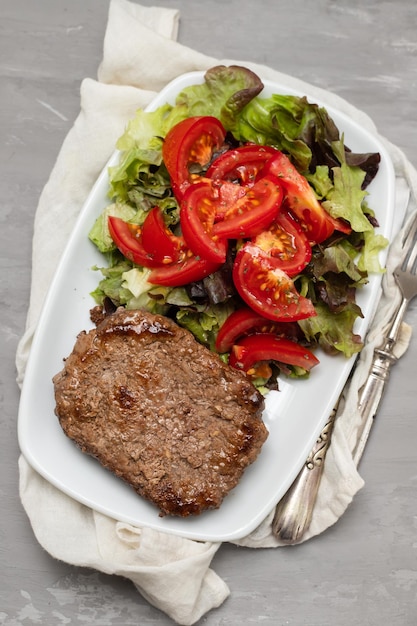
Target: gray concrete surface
[362, 571]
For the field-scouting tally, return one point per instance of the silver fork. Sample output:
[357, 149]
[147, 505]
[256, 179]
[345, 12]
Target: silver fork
[294, 511]
[371, 393]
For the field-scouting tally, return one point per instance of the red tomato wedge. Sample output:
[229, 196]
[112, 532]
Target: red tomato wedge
[188, 270]
[266, 288]
[268, 347]
[158, 240]
[228, 194]
[197, 215]
[287, 243]
[127, 238]
[252, 213]
[302, 201]
[191, 141]
[244, 321]
[241, 164]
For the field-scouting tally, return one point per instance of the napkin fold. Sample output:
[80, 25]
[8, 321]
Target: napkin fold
[140, 56]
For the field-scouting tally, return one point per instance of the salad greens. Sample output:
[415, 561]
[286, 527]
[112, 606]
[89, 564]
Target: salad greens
[302, 130]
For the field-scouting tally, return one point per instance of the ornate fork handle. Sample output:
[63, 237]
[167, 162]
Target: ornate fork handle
[374, 387]
[294, 511]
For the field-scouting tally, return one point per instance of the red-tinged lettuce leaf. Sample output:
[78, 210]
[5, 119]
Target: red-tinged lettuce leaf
[337, 292]
[336, 259]
[368, 162]
[331, 283]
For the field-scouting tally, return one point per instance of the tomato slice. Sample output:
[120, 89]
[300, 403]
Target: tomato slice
[241, 164]
[190, 269]
[269, 347]
[244, 321]
[191, 141]
[197, 215]
[127, 238]
[266, 288]
[253, 212]
[158, 240]
[302, 201]
[228, 195]
[287, 243]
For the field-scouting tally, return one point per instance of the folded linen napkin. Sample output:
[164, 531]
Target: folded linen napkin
[140, 57]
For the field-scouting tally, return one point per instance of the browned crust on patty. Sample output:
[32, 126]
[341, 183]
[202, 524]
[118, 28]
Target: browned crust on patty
[160, 410]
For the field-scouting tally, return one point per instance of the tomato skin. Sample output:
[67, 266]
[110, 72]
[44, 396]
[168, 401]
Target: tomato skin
[286, 243]
[269, 347]
[267, 289]
[253, 212]
[188, 270]
[237, 324]
[241, 164]
[302, 201]
[197, 215]
[193, 140]
[130, 245]
[157, 239]
[244, 321]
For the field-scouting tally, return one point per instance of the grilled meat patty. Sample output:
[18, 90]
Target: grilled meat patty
[160, 410]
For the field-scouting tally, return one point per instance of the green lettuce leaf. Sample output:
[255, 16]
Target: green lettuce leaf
[99, 233]
[278, 121]
[320, 181]
[224, 94]
[346, 197]
[143, 294]
[110, 286]
[127, 285]
[140, 170]
[204, 321]
[145, 130]
[333, 331]
[369, 257]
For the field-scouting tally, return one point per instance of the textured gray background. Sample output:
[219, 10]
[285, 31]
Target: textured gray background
[362, 571]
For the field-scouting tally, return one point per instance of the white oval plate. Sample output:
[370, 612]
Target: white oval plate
[294, 416]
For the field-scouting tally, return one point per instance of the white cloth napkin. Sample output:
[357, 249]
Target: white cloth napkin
[140, 56]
